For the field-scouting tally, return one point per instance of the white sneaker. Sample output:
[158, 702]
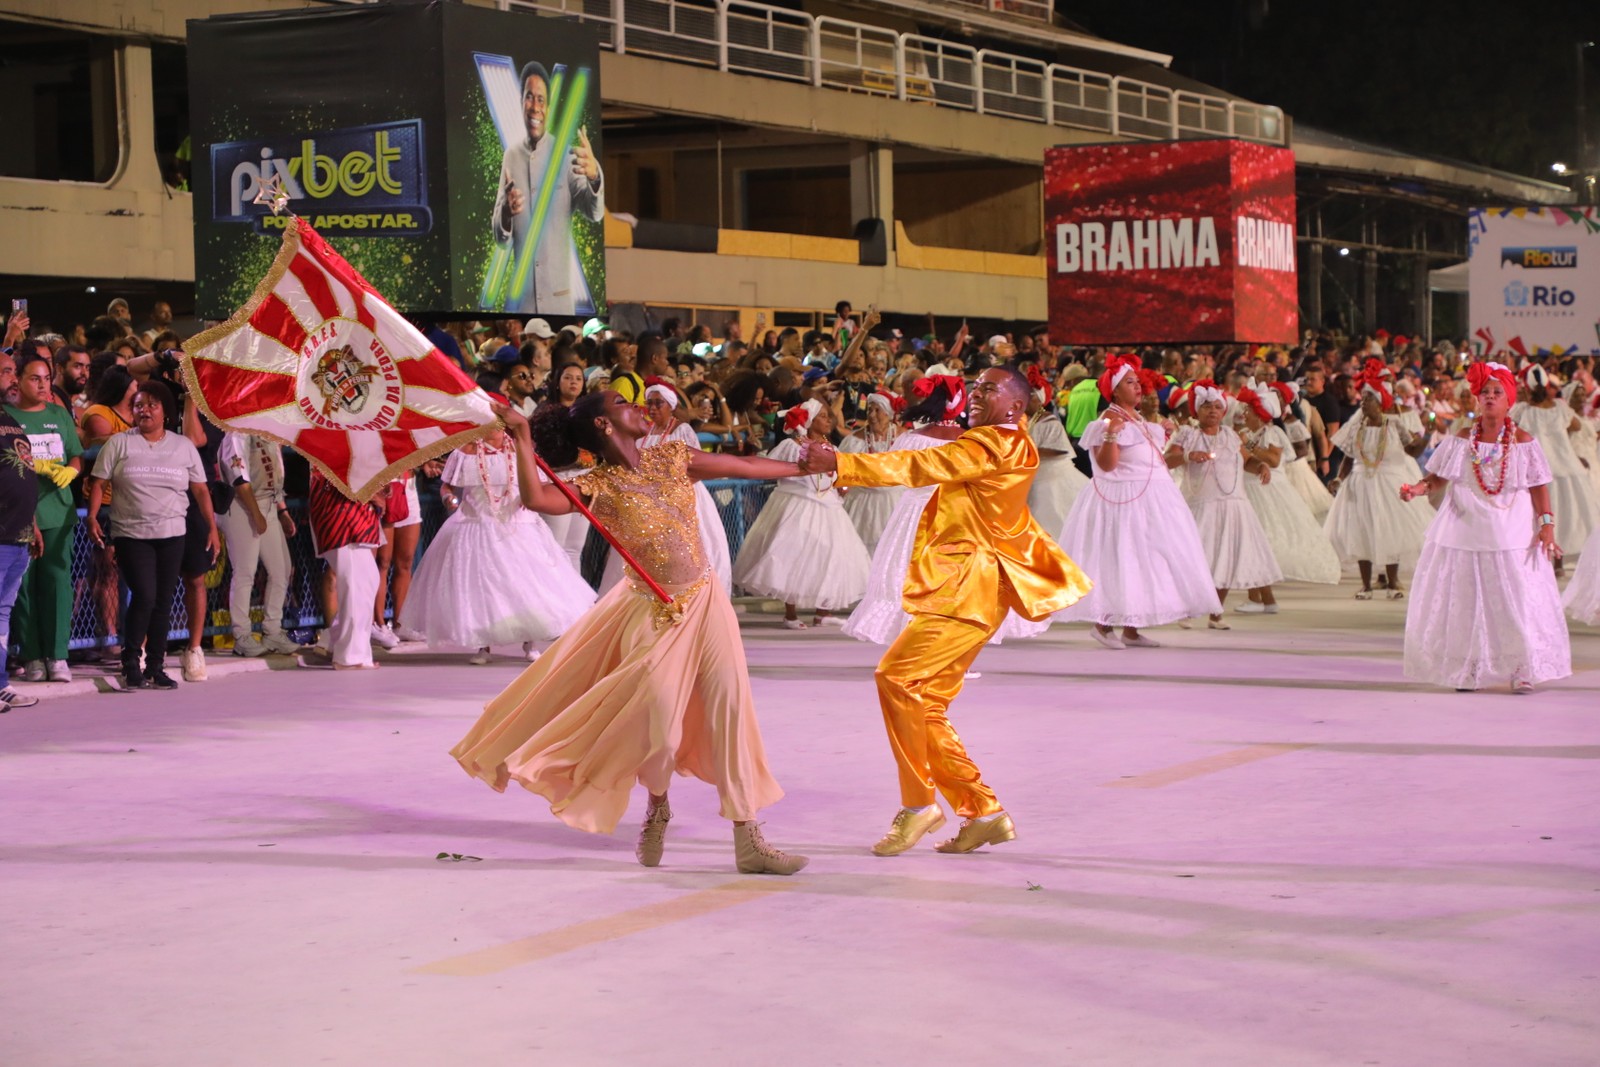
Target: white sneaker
[280, 644]
[384, 637]
[479, 658]
[60, 672]
[1250, 607]
[830, 620]
[406, 633]
[529, 651]
[194, 664]
[34, 671]
[249, 645]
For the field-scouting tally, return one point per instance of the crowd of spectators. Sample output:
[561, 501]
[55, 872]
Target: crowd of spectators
[86, 400]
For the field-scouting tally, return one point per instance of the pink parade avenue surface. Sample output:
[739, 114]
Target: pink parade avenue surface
[1252, 847]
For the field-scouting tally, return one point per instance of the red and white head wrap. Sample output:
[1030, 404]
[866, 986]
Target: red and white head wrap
[1038, 383]
[1117, 368]
[1287, 392]
[1376, 369]
[1203, 392]
[661, 389]
[1152, 381]
[1258, 403]
[955, 390]
[797, 420]
[1374, 383]
[1178, 397]
[882, 400]
[1534, 376]
[1482, 373]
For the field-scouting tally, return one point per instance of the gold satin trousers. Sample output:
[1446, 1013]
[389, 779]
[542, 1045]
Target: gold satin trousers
[919, 676]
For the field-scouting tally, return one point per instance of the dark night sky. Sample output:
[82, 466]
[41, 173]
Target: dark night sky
[1486, 81]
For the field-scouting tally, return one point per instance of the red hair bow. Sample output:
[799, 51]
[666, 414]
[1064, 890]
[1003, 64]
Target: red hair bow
[1117, 368]
[1251, 400]
[1036, 378]
[1285, 392]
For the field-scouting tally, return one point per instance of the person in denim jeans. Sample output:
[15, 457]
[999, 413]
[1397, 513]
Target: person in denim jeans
[19, 537]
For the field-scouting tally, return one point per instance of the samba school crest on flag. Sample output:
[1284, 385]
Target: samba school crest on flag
[317, 360]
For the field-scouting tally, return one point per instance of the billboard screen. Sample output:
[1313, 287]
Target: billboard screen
[457, 166]
[1533, 280]
[1171, 242]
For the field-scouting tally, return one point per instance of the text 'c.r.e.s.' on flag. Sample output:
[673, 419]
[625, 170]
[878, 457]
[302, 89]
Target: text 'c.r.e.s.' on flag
[317, 360]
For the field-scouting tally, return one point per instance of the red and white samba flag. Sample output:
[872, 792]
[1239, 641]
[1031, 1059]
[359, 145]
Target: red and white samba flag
[319, 361]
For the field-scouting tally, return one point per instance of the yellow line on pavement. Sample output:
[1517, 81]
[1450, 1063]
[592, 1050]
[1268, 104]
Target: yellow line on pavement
[581, 935]
[1222, 761]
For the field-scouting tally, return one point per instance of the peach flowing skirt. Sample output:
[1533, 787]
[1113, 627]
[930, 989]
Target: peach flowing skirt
[617, 700]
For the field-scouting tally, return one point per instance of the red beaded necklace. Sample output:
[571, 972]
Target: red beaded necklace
[1506, 432]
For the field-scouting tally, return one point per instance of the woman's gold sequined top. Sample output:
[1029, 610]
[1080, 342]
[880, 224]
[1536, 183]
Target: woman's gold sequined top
[651, 510]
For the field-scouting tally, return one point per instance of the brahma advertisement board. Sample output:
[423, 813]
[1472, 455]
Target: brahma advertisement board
[450, 153]
[1184, 241]
[1533, 280]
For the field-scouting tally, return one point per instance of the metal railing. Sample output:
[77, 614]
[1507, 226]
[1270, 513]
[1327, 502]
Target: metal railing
[738, 503]
[752, 38]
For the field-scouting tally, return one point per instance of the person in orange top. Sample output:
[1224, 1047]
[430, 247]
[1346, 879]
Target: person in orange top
[979, 554]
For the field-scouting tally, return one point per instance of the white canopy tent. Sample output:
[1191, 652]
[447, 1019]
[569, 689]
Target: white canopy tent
[1449, 279]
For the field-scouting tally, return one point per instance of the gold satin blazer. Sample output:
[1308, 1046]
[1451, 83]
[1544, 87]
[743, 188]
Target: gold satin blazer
[975, 528]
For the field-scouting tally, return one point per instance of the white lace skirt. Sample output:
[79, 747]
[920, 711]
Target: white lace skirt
[803, 552]
[1144, 558]
[1476, 619]
[1582, 598]
[483, 583]
[1303, 551]
[870, 509]
[1368, 520]
[1235, 545]
[1304, 481]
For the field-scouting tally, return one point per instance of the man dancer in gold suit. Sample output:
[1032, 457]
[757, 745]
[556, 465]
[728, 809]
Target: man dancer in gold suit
[978, 555]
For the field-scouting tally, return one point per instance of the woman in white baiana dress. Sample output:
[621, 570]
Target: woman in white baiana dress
[493, 574]
[661, 403]
[1368, 522]
[1058, 481]
[1131, 531]
[1238, 554]
[1295, 468]
[1585, 433]
[1550, 421]
[1300, 546]
[870, 508]
[803, 549]
[1485, 609]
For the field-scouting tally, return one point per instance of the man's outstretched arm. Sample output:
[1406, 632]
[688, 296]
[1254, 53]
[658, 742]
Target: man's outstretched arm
[961, 460]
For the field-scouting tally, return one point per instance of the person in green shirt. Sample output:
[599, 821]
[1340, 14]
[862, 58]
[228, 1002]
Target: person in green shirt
[43, 615]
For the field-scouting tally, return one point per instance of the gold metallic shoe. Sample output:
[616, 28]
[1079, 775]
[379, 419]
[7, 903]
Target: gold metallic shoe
[974, 834]
[653, 834]
[907, 829]
[755, 856]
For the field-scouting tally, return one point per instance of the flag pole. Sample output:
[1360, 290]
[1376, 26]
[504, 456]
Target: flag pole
[578, 504]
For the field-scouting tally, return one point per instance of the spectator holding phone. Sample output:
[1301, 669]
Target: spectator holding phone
[44, 607]
[153, 473]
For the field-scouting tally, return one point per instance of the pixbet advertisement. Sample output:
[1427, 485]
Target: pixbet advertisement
[1181, 241]
[1533, 280]
[450, 153]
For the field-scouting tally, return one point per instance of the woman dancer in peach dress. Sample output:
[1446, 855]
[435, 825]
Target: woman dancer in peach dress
[636, 689]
